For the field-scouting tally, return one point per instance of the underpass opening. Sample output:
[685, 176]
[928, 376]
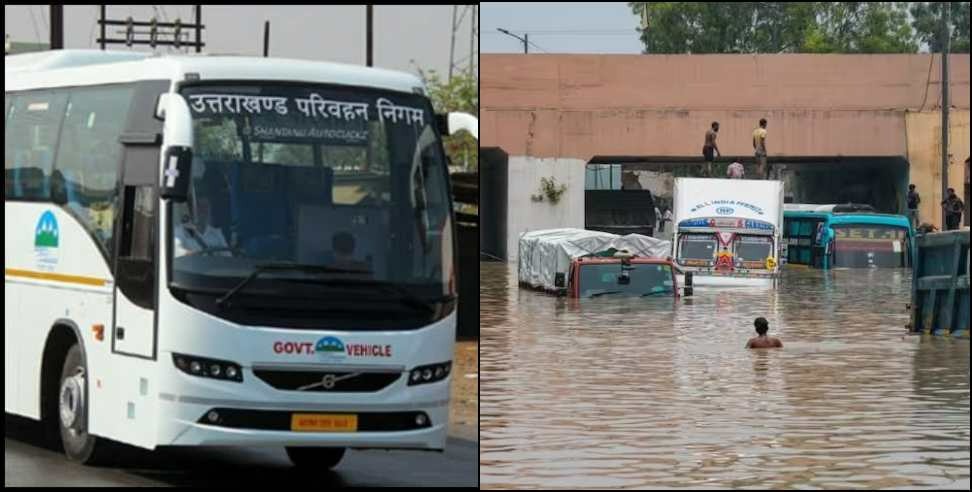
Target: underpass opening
[879, 181]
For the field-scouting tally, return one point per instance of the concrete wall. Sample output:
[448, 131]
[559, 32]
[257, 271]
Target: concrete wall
[925, 156]
[575, 107]
[525, 214]
[654, 105]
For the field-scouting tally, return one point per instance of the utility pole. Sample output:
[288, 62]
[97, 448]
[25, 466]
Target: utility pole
[57, 27]
[369, 29]
[102, 23]
[452, 43]
[946, 45]
[266, 39]
[472, 44]
[198, 28]
[156, 31]
[525, 37]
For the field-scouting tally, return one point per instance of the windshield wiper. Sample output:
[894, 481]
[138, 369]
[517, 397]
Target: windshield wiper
[646, 294]
[267, 267]
[402, 294]
[603, 292]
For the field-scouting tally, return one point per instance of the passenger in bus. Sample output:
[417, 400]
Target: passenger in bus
[198, 236]
[763, 341]
[343, 243]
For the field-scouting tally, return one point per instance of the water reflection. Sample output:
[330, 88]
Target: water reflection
[630, 392]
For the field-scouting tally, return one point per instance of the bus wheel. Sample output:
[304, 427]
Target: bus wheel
[315, 458]
[72, 410]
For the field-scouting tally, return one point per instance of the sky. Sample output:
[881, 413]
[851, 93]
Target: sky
[310, 32]
[603, 27]
[606, 27]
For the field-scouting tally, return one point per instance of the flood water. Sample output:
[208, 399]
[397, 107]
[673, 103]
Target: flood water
[640, 393]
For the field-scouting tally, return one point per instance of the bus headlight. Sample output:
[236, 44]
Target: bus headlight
[770, 263]
[208, 368]
[429, 373]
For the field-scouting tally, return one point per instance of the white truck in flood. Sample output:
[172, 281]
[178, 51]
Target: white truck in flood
[728, 231]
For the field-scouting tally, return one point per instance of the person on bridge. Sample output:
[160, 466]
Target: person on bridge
[763, 341]
[759, 146]
[735, 170]
[710, 148]
[913, 200]
[953, 210]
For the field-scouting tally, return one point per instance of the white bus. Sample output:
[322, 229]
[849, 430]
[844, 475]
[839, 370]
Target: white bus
[227, 251]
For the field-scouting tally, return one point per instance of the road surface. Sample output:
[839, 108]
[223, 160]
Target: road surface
[28, 462]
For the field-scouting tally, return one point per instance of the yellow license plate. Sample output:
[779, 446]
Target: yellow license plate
[321, 422]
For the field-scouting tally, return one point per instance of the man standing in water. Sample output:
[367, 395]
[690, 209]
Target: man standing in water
[763, 341]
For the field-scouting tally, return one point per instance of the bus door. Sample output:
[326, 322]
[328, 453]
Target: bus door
[136, 261]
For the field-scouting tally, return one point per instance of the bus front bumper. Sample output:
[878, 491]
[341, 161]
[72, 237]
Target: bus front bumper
[208, 422]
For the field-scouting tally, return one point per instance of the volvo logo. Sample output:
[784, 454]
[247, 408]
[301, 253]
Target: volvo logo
[329, 381]
[725, 211]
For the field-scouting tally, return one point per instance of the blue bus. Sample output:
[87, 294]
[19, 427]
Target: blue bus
[856, 236]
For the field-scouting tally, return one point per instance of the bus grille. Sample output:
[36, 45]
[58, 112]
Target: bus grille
[326, 381]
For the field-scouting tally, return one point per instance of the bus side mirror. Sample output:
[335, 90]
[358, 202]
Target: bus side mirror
[176, 174]
[452, 123]
[177, 164]
[559, 280]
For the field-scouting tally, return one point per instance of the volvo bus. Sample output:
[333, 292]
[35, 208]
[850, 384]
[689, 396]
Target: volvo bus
[227, 251]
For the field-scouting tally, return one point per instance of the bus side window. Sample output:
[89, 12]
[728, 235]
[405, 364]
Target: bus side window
[30, 137]
[136, 255]
[88, 158]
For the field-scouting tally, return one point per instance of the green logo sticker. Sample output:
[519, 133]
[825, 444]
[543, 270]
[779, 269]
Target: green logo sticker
[46, 234]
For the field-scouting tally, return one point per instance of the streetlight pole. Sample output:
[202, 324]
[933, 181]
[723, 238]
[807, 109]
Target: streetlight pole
[945, 47]
[525, 37]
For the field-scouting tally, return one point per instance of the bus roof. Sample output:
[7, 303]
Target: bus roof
[875, 219]
[850, 217]
[64, 68]
[829, 208]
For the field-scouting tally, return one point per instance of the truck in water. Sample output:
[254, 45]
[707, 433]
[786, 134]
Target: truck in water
[583, 263]
[728, 231]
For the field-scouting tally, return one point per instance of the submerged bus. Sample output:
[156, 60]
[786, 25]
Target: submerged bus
[226, 251]
[827, 236]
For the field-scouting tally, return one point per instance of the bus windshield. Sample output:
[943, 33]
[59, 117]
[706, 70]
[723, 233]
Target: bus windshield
[315, 176]
[645, 279]
[869, 245]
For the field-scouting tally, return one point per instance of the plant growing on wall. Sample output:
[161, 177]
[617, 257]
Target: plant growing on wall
[549, 189]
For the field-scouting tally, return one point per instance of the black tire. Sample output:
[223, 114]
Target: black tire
[78, 444]
[315, 458]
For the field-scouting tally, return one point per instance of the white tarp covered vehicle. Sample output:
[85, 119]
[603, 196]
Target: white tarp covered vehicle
[545, 253]
[728, 231]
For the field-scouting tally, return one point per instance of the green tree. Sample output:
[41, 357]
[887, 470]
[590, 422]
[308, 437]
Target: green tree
[860, 27]
[459, 94]
[776, 27]
[927, 23]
